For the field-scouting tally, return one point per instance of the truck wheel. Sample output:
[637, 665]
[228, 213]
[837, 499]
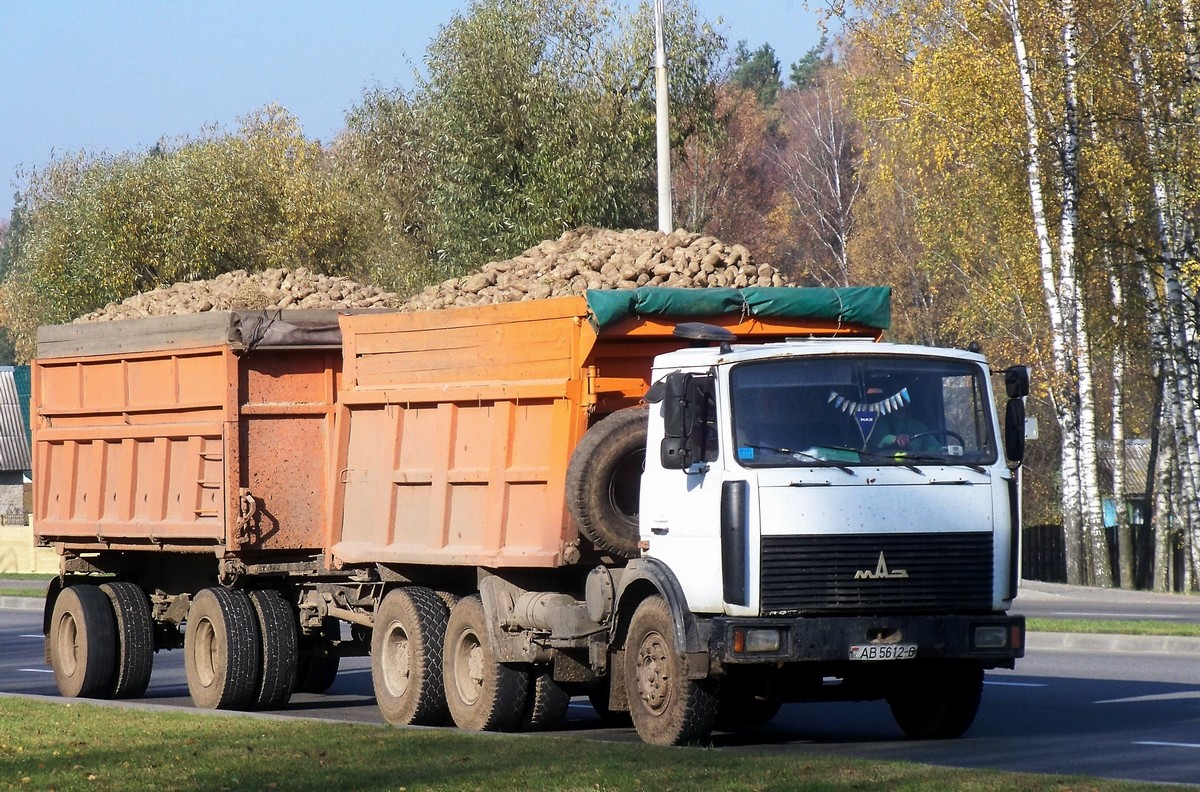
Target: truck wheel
[221, 650]
[482, 693]
[406, 657]
[135, 639]
[277, 633]
[667, 707]
[938, 705]
[547, 703]
[604, 479]
[83, 643]
[318, 664]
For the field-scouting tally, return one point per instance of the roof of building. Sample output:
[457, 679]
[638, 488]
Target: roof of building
[14, 437]
[1137, 463]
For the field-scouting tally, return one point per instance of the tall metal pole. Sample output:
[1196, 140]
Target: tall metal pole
[662, 127]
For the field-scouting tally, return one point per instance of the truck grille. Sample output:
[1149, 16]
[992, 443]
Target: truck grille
[941, 571]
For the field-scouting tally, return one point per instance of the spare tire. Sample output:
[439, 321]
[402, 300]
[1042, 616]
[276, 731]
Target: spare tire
[604, 480]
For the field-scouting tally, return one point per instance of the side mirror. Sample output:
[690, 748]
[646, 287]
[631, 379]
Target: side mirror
[685, 402]
[1014, 429]
[1016, 381]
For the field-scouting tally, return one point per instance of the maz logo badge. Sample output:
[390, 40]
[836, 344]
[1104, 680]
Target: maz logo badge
[880, 572]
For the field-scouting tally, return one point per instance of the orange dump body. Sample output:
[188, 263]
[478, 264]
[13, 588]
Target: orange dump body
[147, 434]
[456, 426]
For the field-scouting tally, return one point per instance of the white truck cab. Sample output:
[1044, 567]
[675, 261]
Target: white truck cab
[863, 512]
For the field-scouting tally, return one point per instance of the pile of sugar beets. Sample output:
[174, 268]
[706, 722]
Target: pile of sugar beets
[586, 258]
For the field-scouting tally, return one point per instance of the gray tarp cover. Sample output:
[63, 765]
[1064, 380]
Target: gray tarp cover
[869, 306]
[270, 330]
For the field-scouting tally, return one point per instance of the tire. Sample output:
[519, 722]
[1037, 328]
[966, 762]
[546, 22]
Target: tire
[406, 657]
[938, 705]
[667, 708]
[318, 664]
[277, 637]
[604, 481]
[482, 693]
[83, 643]
[135, 639]
[222, 650]
[547, 704]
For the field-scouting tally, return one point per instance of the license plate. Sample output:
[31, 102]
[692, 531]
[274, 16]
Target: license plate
[883, 652]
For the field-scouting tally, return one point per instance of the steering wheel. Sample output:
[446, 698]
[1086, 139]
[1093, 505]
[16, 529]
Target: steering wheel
[943, 434]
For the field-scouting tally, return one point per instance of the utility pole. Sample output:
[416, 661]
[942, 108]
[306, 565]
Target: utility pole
[661, 122]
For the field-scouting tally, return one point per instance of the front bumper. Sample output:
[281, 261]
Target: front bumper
[994, 641]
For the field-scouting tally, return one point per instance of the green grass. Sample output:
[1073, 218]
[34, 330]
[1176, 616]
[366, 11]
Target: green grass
[1114, 627]
[22, 592]
[25, 576]
[88, 747]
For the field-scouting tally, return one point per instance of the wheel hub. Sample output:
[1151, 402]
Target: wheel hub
[654, 672]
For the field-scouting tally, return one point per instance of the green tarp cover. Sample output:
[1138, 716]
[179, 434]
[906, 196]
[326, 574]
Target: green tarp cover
[861, 305]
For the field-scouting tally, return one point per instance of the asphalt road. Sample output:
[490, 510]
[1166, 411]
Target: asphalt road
[1112, 714]
[1051, 600]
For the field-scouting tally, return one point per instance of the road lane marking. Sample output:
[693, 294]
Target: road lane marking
[1120, 616]
[1015, 684]
[1178, 696]
[37, 670]
[39, 636]
[1167, 744]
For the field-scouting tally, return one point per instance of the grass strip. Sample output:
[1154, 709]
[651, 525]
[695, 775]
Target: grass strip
[84, 746]
[22, 592]
[26, 576]
[1114, 627]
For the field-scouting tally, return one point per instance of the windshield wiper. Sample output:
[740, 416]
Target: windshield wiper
[879, 456]
[808, 455]
[947, 460]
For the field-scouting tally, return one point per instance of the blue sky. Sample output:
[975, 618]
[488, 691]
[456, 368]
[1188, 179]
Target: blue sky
[110, 76]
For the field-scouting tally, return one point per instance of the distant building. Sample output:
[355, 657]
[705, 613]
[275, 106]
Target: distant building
[15, 460]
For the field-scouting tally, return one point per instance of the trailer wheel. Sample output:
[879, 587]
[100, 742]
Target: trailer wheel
[667, 708]
[135, 639]
[318, 664]
[83, 643]
[277, 633]
[406, 657]
[938, 705]
[221, 650]
[547, 703]
[604, 481]
[482, 693]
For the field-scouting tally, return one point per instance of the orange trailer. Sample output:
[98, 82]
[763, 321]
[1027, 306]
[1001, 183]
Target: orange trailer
[209, 433]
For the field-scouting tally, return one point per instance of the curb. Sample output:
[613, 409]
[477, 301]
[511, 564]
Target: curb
[1121, 644]
[22, 603]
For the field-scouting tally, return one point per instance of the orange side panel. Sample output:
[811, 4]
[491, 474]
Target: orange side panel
[131, 449]
[478, 484]
[286, 435]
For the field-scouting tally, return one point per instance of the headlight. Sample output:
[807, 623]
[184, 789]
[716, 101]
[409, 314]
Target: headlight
[991, 636]
[757, 640]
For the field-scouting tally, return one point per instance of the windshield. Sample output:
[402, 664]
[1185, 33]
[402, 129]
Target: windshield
[845, 411]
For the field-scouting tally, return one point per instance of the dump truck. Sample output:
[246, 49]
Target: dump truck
[690, 506]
